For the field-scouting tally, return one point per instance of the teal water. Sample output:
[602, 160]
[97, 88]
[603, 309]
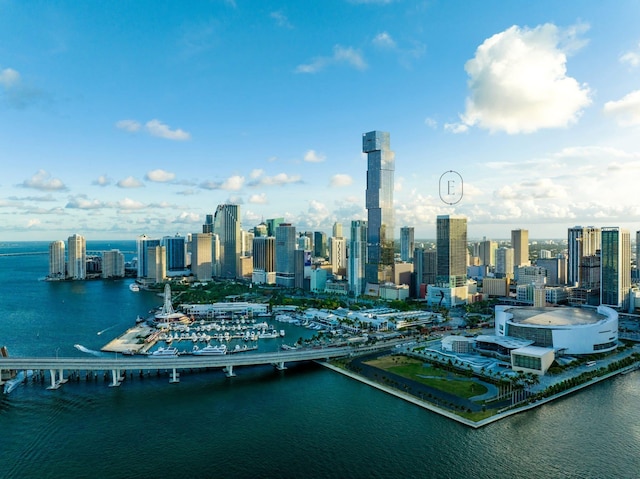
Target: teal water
[303, 422]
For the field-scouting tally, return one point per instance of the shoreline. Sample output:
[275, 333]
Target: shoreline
[467, 422]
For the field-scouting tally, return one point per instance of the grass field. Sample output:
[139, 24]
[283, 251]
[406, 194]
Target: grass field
[437, 378]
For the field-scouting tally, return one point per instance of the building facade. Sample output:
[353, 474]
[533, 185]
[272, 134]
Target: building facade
[201, 256]
[581, 241]
[407, 243]
[77, 261]
[357, 257]
[57, 260]
[285, 248]
[226, 224]
[520, 245]
[379, 204]
[615, 268]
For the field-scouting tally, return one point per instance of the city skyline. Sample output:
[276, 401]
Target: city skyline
[115, 131]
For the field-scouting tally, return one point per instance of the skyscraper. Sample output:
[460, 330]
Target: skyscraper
[226, 224]
[504, 262]
[143, 242]
[451, 250]
[379, 204]
[77, 266]
[319, 244]
[615, 268]
[338, 256]
[176, 252]
[285, 255]
[57, 260]
[264, 260]
[406, 243]
[337, 230]
[357, 256]
[520, 245]
[112, 264]
[201, 256]
[487, 252]
[581, 241]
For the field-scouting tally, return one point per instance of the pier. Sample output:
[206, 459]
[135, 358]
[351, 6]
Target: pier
[227, 362]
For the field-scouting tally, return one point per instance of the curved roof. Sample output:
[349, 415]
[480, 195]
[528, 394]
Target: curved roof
[555, 316]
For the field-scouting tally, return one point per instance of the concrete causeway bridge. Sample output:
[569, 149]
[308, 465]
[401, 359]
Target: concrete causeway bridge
[118, 363]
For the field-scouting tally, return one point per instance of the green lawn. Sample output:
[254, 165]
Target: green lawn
[440, 379]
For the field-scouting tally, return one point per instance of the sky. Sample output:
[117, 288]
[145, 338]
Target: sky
[126, 118]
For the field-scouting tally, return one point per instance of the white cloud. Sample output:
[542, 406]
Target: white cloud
[9, 78]
[130, 182]
[102, 180]
[257, 173]
[157, 128]
[631, 57]
[128, 125]
[519, 84]
[81, 202]
[129, 204]
[341, 54]
[188, 218]
[42, 181]
[625, 111]
[33, 222]
[281, 19]
[431, 123]
[312, 157]
[384, 40]
[160, 176]
[259, 199]
[456, 127]
[278, 180]
[340, 180]
[232, 183]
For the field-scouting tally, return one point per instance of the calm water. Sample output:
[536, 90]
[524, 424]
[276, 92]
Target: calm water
[304, 422]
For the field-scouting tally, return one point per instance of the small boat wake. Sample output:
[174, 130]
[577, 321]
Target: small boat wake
[106, 329]
[21, 377]
[80, 347]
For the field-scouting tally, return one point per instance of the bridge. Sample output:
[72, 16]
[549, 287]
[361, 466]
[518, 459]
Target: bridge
[118, 363]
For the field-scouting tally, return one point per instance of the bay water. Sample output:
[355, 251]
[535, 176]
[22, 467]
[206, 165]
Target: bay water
[305, 421]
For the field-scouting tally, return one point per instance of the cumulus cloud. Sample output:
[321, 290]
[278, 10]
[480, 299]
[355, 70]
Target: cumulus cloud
[339, 180]
[431, 123]
[280, 179]
[632, 58]
[128, 125]
[518, 81]
[232, 183]
[129, 204]
[281, 19]
[45, 198]
[82, 202]
[258, 199]
[625, 111]
[257, 173]
[384, 40]
[17, 94]
[341, 55]
[42, 180]
[160, 176]
[130, 182]
[157, 128]
[188, 218]
[456, 127]
[312, 157]
[9, 78]
[102, 180]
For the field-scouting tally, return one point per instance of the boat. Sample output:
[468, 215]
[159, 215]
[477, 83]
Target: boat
[286, 347]
[164, 352]
[210, 350]
[21, 377]
[270, 334]
[134, 287]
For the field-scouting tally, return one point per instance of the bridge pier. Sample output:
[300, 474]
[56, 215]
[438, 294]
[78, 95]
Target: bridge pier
[116, 378]
[229, 372]
[54, 384]
[280, 366]
[175, 377]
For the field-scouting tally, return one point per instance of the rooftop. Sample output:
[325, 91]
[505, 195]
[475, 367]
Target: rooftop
[555, 316]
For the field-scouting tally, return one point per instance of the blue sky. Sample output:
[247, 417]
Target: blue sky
[124, 118]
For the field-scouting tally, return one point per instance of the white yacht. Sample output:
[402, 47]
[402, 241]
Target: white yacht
[210, 350]
[164, 352]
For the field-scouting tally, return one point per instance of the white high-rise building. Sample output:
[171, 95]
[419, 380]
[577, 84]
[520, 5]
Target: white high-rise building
[112, 264]
[77, 261]
[57, 260]
[338, 256]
